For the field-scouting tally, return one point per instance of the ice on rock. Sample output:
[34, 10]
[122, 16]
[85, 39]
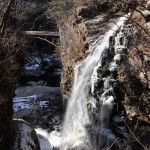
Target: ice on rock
[44, 104]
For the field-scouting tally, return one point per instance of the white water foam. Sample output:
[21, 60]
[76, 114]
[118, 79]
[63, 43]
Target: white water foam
[48, 141]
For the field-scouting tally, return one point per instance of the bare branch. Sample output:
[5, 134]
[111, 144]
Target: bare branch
[145, 148]
[5, 17]
[46, 41]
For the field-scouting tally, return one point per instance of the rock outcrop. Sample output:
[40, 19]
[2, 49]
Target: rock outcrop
[24, 137]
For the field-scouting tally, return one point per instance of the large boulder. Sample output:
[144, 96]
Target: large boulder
[24, 136]
[39, 105]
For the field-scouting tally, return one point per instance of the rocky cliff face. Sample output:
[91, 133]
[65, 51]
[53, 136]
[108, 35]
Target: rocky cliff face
[76, 35]
[81, 30]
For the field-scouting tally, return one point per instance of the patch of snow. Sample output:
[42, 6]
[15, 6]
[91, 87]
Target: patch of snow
[31, 67]
[44, 104]
[33, 64]
[19, 106]
[23, 102]
[57, 72]
[24, 99]
[47, 59]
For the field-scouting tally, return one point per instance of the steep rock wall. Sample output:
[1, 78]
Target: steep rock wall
[77, 34]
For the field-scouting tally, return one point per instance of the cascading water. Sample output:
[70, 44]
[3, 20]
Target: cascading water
[88, 117]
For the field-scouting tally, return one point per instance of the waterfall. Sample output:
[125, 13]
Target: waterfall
[89, 112]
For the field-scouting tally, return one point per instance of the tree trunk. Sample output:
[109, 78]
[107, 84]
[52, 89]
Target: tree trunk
[6, 113]
[5, 17]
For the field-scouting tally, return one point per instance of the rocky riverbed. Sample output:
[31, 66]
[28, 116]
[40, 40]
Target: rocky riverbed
[38, 105]
[41, 106]
[38, 99]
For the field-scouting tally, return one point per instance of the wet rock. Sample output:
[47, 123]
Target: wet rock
[24, 136]
[41, 83]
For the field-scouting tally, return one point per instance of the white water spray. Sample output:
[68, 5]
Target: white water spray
[78, 120]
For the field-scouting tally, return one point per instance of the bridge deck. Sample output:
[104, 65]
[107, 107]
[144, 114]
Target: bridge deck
[41, 33]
